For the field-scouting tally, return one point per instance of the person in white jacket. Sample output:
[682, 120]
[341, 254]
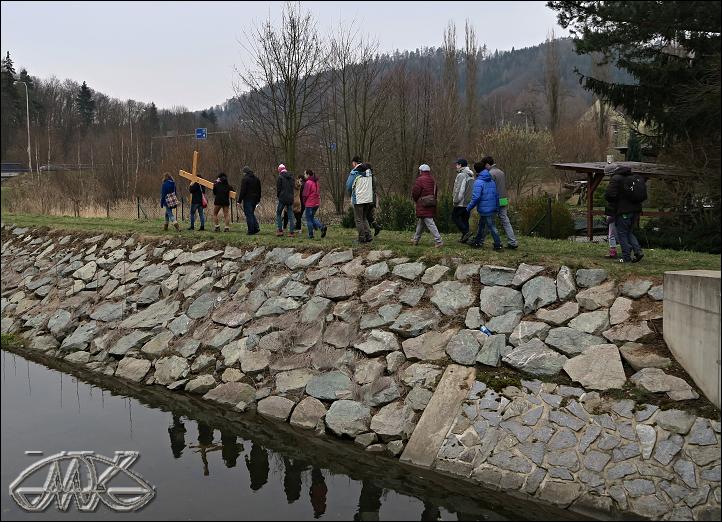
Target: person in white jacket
[463, 186]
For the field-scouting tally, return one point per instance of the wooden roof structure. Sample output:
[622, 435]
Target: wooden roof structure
[594, 173]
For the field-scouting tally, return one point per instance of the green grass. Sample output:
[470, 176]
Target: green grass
[11, 341]
[552, 253]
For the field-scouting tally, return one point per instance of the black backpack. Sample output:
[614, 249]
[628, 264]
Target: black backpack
[635, 188]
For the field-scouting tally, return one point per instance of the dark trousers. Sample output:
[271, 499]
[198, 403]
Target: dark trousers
[198, 207]
[249, 210]
[363, 216]
[625, 236]
[460, 217]
[297, 219]
[487, 222]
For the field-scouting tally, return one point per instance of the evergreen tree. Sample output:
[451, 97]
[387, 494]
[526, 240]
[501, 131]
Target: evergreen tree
[10, 103]
[671, 49]
[151, 121]
[85, 105]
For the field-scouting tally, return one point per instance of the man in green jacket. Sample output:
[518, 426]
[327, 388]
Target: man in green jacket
[500, 179]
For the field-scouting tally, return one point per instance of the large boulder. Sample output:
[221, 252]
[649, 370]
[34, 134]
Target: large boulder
[491, 350]
[378, 341]
[505, 323]
[535, 358]
[538, 292]
[498, 300]
[601, 296]
[277, 306]
[132, 369]
[464, 346]
[308, 413]
[589, 277]
[328, 386]
[598, 368]
[627, 332]
[107, 312]
[654, 380]
[349, 418]
[565, 283]
[434, 274]
[430, 346]
[421, 374]
[591, 322]
[170, 369]
[452, 296]
[571, 341]
[293, 380]
[639, 356]
[524, 273]
[525, 331]
[156, 314]
[275, 407]
[200, 384]
[491, 275]
[336, 288]
[232, 393]
[80, 338]
[394, 421]
[415, 322]
[409, 271]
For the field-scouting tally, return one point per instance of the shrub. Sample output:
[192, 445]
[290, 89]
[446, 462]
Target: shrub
[397, 213]
[348, 221]
[697, 231]
[445, 205]
[532, 221]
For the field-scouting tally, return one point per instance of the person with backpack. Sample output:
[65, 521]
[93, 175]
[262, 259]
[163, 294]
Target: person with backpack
[424, 193]
[169, 200]
[249, 196]
[311, 202]
[360, 186]
[198, 204]
[463, 185]
[625, 194]
[486, 200]
[298, 207]
[222, 201]
[500, 180]
[285, 191]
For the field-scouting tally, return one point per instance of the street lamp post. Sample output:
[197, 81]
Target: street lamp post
[27, 109]
[526, 121]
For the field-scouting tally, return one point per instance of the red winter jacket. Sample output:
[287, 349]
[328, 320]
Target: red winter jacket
[311, 193]
[423, 186]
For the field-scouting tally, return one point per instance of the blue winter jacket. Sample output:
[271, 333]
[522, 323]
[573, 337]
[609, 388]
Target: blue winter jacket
[484, 196]
[167, 188]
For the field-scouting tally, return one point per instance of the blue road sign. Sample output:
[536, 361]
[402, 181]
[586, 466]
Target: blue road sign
[201, 134]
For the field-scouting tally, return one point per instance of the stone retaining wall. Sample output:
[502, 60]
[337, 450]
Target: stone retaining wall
[354, 344]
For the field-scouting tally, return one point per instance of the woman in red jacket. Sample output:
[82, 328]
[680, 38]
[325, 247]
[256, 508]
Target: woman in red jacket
[311, 201]
[424, 195]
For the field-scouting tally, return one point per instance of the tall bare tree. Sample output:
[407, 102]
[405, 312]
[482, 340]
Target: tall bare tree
[552, 81]
[284, 80]
[472, 53]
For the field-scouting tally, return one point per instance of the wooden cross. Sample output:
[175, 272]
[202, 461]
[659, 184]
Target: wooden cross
[194, 178]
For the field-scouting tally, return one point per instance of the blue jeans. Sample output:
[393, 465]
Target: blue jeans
[169, 215]
[311, 222]
[291, 218]
[460, 217]
[249, 210]
[197, 207]
[487, 221]
[626, 238]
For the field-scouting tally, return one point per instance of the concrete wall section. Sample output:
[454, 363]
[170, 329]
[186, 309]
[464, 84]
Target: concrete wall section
[692, 326]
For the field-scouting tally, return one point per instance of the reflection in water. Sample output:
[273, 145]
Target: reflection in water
[369, 502]
[344, 470]
[257, 464]
[317, 492]
[230, 449]
[177, 432]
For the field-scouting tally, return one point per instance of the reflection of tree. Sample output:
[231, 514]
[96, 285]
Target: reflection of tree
[205, 444]
[369, 502]
[292, 478]
[430, 512]
[230, 449]
[317, 492]
[257, 464]
[177, 437]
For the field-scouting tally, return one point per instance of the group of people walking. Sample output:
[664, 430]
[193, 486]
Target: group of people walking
[484, 188]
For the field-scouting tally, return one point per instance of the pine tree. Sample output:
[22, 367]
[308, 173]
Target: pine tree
[85, 105]
[151, 121]
[671, 49]
[10, 104]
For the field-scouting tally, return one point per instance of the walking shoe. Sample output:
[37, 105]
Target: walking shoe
[622, 260]
[637, 257]
[177, 226]
[465, 237]
[438, 245]
[226, 229]
[291, 234]
[377, 230]
[512, 247]
[498, 248]
[217, 228]
[202, 227]
[415, 242]
[191, 228]
[323, 231]
[279, 233]
[476, 245]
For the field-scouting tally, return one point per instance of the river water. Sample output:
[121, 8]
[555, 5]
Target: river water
[207, 463]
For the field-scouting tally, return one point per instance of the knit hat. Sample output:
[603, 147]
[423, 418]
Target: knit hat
[247, 170]
[282, 168]
[462, 162]
[425, 168]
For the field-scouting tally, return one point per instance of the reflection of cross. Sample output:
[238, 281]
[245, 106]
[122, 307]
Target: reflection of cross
[195, 179]
[204, 450]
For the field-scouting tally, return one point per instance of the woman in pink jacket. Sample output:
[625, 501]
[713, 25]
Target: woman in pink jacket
[311, 201]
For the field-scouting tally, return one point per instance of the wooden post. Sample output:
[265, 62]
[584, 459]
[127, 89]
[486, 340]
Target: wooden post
[194, 170]
[593, 181]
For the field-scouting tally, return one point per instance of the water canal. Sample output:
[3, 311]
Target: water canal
[207, 463]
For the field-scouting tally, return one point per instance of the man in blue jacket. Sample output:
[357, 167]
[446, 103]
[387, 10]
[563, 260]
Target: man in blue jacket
[486, 200]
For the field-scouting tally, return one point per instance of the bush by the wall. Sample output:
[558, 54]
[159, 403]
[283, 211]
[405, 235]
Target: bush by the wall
[531, 212]
[445, 205]
[397, 213]
[348, 220]
[698, 231]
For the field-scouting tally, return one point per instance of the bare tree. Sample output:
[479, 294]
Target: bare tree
[285, 81]
[472, 53]
[552, 81]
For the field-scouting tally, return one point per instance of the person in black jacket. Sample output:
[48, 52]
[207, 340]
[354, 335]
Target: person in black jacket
[285, 190]
[248, 196]
[197, 191]
[222, 200]
[626, 207]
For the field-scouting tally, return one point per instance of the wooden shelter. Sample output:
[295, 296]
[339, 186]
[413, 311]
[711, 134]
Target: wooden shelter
[593, 173]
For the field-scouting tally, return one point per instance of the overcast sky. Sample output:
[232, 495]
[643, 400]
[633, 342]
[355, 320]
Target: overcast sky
[184, 53]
